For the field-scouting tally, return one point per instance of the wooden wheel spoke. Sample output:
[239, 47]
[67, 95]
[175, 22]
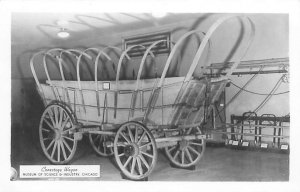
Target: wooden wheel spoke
[50, 145]
[54, 148]
[189, 130]
[96, 138]
[65, 122]
[99, 147]
[67, 145]
[147, 154]
[125, 137]
[199, 130]
[100, 139]
[198, 144]
[189, 155]
[63, 150]
[104, 147]
[144, 161]
[182, 157]
[142, 137]
[61, 114]
[49, 124]
[121, 154]
[172, 148]
[145, 145]
[120, 144]
[192, 149]
[55, 115]
[133, 165]
[68, 138]
[50, 114]
[136, 135]
[127, 161]
[47, 130]
[58, 151]
[139, 165]
[65, 131]
[47, 138]
[130, 134]
[176, 154]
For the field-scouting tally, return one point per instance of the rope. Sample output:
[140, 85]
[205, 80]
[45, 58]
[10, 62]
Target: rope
[244, 86]
[269, 95]
[241, 88]
[264, 101]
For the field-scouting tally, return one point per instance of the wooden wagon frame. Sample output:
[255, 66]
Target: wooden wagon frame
[130, 119]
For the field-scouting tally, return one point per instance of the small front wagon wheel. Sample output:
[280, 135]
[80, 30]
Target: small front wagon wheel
[99, 144]
[58, 144]
[186, 153]
[135, 150]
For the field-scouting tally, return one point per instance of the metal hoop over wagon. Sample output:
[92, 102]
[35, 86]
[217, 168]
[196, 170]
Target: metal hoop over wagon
[130, 119]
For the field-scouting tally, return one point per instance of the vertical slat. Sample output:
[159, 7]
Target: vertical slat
[151, 101]
[98, 104]
[195, 103]
[142, 100]
[105, 114]
[182, 100]
[118, 74]
[132, 104]
[115, 103]
[176, 108]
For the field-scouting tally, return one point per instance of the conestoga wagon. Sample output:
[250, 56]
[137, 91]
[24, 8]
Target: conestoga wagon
[131, 119]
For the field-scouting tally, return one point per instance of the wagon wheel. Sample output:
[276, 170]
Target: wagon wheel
[135, 150]
[186, 153]
[57, 143]
[99, 142]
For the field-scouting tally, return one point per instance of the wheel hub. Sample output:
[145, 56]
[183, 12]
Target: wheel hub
[131, 150]
[58, 134]
[183, 144]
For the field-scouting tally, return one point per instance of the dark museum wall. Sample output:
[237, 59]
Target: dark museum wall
[271, 41]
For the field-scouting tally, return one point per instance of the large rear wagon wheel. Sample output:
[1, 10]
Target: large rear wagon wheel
[135, 150]
[99, 144]
[186, 153]
[58, 144]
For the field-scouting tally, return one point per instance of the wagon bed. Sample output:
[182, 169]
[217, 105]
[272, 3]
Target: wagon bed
[106, 112]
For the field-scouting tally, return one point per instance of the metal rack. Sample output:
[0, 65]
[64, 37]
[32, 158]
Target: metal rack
[273, 65]
[262, 126]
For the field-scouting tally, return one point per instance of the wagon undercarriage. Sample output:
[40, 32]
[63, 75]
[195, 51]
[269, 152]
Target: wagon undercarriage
[130, 119]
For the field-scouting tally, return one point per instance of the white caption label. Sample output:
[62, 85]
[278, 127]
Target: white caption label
[285, 147]
[235, 143]
[245, 144]
[264, 145]
[230, 142]
[50, 171]
[106, 85]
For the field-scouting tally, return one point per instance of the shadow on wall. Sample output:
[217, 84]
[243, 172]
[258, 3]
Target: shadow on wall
[129, 68]
[236, 44]
[27, 108]
[194, 26]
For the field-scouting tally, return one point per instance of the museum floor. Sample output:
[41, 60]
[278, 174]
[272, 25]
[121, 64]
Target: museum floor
[217, 164]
